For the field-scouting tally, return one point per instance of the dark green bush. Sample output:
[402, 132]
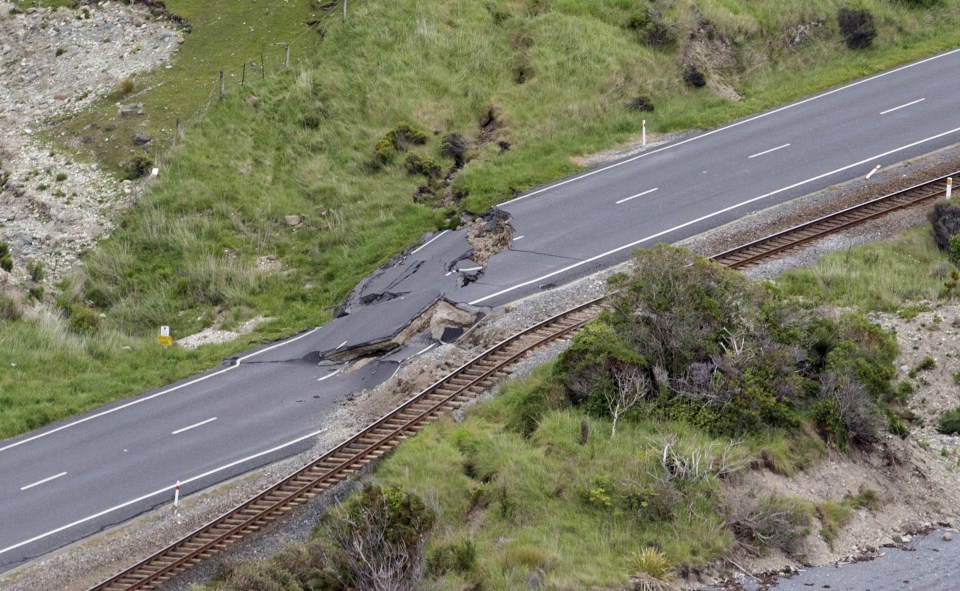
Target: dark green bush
[730, 356]
[397, 140]
[423, 165]
[138, 167]
[950, 422]
[693, 77]
[856, 27]
[653, 28]
[945, 219]
[82, 319]
[457, 557]
[9, 308]
[6, 260]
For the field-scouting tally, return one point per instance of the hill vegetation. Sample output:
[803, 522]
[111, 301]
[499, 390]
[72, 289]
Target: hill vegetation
[391, 125]
[612, 462]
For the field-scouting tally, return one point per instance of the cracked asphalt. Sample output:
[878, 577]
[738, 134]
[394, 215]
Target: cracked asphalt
[76, 477]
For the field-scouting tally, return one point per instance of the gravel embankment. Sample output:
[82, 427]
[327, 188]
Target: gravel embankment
[53, 63]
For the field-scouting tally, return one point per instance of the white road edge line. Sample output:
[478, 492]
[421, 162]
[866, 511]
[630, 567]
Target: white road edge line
[161, 393]
[467, 270]
[768, 151]
[731, 126]
[328, 376]
[424, 350]
[709, 215]
[39, 482]
[157, 492]
[902, 106]
[518, 238]
[625, 199]
[427, 243]
[210, 420]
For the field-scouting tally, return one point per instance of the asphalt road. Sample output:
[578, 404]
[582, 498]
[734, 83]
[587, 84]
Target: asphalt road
[73, 478]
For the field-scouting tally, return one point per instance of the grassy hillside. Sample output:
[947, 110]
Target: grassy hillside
[526, 84]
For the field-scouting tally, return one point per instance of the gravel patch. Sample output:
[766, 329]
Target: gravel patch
[54, 63]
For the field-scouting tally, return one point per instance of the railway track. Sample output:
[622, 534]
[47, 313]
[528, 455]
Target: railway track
[793, 238]
[337, 465]
[473, 378]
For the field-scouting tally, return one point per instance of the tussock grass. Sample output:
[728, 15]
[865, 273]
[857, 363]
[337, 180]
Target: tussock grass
[880, 276]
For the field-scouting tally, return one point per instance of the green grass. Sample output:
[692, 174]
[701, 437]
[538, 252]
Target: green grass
[575, 511]
[303, 142]
[833, 516]
[883, 276]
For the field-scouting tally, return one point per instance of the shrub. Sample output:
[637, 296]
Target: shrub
[9, 308]
[653, 28]
[950, 422]
[423, 165]
[124, 87]
[82, 319]
[396, 140]
[945, 219]
[60, 51]
[6, 262]
[35, 269]
[138, 167]
[457, 557]
[377, 539]
[641, 103]
[857, 28]
[728, 355]
[693, 77]
[773, 523]
[455, 146]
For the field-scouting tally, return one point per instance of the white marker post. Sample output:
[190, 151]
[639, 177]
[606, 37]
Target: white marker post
[949, 186]
[875, 169]
[176, 496]
[643, 134]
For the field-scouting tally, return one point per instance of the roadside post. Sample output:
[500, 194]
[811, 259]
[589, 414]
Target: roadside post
[176, 496]
[165, 340]
[643, 134]
[949, 186]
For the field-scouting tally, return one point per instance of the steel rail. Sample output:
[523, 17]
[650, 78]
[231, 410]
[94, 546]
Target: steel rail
[339, 463]
[758, 251]
[477, 375]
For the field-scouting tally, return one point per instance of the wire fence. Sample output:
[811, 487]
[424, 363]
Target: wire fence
[273, 58]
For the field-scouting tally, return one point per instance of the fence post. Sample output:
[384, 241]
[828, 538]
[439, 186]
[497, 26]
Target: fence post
[222, 88]
[286, 56]
[344, 10]
[263, 67]
[243, 76]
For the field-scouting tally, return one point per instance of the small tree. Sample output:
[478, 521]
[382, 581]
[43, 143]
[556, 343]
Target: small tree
[379, 536]
[632, 385]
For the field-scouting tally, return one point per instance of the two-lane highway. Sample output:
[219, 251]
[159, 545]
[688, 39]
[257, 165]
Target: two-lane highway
[70, 479]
